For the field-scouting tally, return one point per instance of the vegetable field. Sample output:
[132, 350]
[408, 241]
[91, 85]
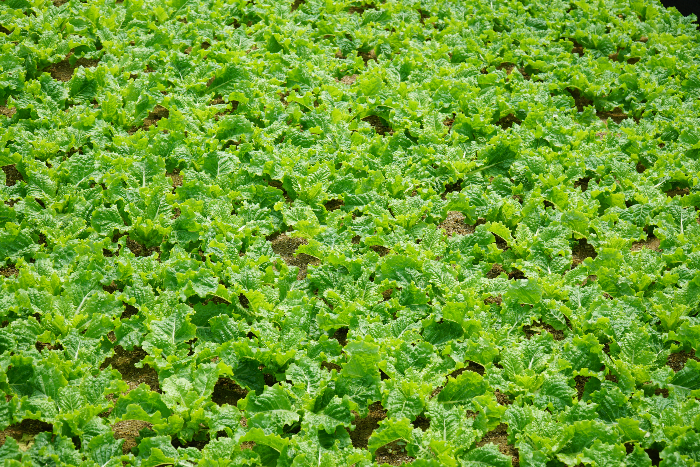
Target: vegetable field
[336, 233]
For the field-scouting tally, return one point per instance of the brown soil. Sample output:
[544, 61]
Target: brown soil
[128, 430]
[508, 121]
[361, 9]
[7, 111]
[498, 300]
[678, 192]
[175, 177]
[9, 270]
[651, 243]
[583, 183]
[454, 187]
[449, 121]
[58, 3]
[421, 422]
[532, 329]
[331, 366]
[333, 204]
[495, 271]
[124, 361]
[581, 251]
[616, 115]
[297, 4]
[378, 124]
[227, 391]
[129, 311]
[12, 175]
[341, 335]
[140, 250]
[156, 114]
[501, 398]
[506, 66]
[367, 56]
[286, 246]
[218, 101]
[640, 168]
[348, 79]
[677, 361]
[392, 454]
[580, 101]
[364, 427]
[499, 437]
[386, 294]
[278, 184]
[24, 429]
[581, 384]
[63, 71]
[471, 366]
[454, 224]
[380, 250]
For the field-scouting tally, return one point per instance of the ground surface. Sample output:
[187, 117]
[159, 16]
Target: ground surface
[276, 233]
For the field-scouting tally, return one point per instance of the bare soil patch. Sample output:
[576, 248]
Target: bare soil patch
[583, 183]
[333, 204]
[348, 79]
[12, 175]
[393, 453]
[581, 251]
[532, 329]
[175, 177]
[677, 361]
[364, 427]
[124, 361]
[26, 429]
[678, 192]
[362, 8]
[508, 121]
[63, 70]
[286, 247]
[140, 250]
[651, 243]
[379, 124]
[581, 385]
[454, 224]
[579, 100]
[499, 437]
[8, 112]
[128, 430]
[227, 391]
[9, 270]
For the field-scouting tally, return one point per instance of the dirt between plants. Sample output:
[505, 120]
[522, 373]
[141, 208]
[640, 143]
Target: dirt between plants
[25, 432]
[124, 362]
[9, 270]
[7, 111]
[454, 224]
[286, 247]
[63, 70]
[227, 391]
[532, 329]
[128, 430]
[12, 175]
[159, 112]
[581, 251]
[651, 243]
[499, 437]
[677, 361]
[393, 453]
